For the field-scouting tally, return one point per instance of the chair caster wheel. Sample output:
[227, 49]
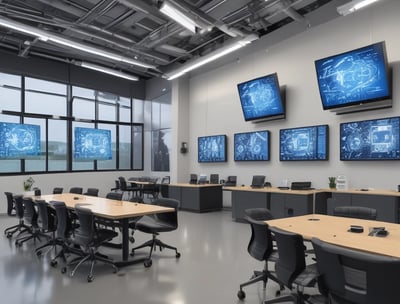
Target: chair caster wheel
[277, 293]
[9, 235]
[132, 239]
[64, 270]
[148, 263]
[241, 294]
[177, 255]
[90, 278]
[53, 263]
[39, 253]
[133, 253]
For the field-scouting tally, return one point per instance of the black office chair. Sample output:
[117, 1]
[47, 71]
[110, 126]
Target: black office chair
[76, 190]
[58, 190]
[156, 224]
[30, 218]
[290, 268]
[90, 239]
[260, 247]
[355, 212]
[114, 195]
[47, 225]
[125, 188]
[92, 192]
[354, 277]
[151, 190]
[164, 186]
[37, 191]
[116, 187]
[230, 181]
[17, 205]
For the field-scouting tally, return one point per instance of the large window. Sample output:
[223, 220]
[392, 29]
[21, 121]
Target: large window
[60, 108]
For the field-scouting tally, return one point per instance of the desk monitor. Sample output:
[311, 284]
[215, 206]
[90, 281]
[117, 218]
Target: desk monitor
[202, 179]
[231, 181]
[193, 179]
[214, 179]
[258, 181]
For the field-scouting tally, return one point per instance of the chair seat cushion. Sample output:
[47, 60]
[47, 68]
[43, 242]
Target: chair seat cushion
[150, 224]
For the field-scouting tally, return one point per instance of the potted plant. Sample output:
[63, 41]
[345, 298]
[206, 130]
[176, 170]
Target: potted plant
[28, 183]
[332, 182]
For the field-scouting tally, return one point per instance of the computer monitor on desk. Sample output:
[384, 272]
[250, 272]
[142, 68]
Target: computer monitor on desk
[193, 179]
[231, 181]
[258, 181]
[301, 186]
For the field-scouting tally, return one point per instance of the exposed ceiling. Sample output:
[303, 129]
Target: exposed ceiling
[136, 30]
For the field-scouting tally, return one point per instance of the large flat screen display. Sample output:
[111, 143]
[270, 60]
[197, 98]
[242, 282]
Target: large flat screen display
[251, 146]
[355, 77]
[376, 139]
[261, 99]
[305, 143]
[212, 149]
[92, 144]
[18, 141]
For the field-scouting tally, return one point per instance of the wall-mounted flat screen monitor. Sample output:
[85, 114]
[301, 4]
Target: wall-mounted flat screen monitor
[376, 139]
[356, 77]
[212, 149]
[19, 141]
[251, 146]
[305, 143]
[92, 144]
[261, 99]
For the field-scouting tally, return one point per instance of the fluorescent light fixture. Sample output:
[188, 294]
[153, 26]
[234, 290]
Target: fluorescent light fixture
[108, 71]
[353, 6]
[237, 44]
[49, 37]
[24, 29]
[174, 12]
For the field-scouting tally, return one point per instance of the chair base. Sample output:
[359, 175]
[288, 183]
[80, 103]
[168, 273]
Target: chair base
[92, 256]
[21, 228]
[153, 243]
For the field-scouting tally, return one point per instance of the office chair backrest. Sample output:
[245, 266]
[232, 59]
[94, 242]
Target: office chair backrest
[19, 206]
[10, 202]
[114, 195]
[260, 245]
[258, 181]
[64, 222]
[46, 216]
[169, 217]
[92, 192]
[122, 183]
[37, 192]
[231, 180]
[76, 190]
[351, 276]
[214, 179]
[85, 234]
[291, 260]
[355, 212]
[30, 214]
[58, 190]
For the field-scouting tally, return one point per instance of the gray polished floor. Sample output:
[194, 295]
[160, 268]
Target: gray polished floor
[214, 262]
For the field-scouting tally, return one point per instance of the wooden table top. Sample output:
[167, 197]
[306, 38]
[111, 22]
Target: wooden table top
[334, 230]
[108, 208]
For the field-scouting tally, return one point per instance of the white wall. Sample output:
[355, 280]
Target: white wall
[215, 107]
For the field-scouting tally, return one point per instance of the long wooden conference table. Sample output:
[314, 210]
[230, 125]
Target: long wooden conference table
[334, 229]
[110, 209]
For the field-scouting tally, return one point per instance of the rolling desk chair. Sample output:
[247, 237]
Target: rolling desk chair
[290, 268]
[58, 190]
[260, 247]
[92, 192]
[356, 277]
[76, 190]
[19, 212]
[30, 217]
[47, 224]
[156, 224]
[90, 239]
[164, 186]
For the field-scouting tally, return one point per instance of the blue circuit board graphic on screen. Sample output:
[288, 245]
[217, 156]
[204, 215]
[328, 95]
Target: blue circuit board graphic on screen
[261, 97]
[91, 144]
[370, 139]
[251, 146]
[307, 143]
[353, 77]
[19, 140]
[212, 149]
